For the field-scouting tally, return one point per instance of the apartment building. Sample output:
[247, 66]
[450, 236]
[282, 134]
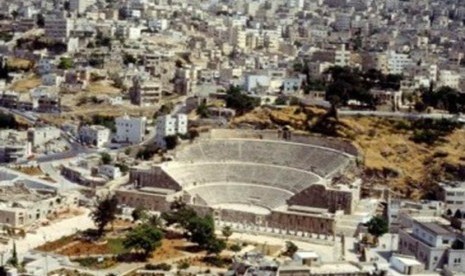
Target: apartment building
[95, 135]
[145, 92]
[58, 28]
[170, 125]
[40, 136]
[22, 206]
[453, 194]
[130, 129]
[79, 6]
[396, 62]
[342, 57]
[437, 246]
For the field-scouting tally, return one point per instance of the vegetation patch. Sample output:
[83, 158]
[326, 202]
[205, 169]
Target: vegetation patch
[96, 262]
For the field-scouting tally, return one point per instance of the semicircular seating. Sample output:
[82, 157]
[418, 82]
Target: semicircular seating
[214, 194]
[195, 174]
[322, 161]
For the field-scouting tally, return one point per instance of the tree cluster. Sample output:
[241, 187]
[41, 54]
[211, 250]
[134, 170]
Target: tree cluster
[197, 229]
[351, 84]
[444, 97]
[103, 120]
[347, 83]
[144, 239]
[41, 43]
[146, 153]
[429, 131]
[239, 101]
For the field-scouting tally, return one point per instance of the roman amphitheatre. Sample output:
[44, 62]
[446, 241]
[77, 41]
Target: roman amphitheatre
[266, 181]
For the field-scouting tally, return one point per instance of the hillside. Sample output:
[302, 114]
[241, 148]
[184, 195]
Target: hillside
[390, 156]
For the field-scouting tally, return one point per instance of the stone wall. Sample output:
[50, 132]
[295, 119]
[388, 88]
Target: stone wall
[319, 196]
[153, 177]
[301, 222]
[135, 198]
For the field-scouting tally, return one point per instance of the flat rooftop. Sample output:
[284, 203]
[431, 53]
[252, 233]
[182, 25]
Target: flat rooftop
[436, 228]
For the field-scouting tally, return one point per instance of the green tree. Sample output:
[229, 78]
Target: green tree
[146, 153]
[138, 214]
[14, 14]
[280, 101]
[202, 110]
[183, 265]
[65, 63]
[179, 214]
[123, 168]
[235, 248]
[201, 230]
[291, 248]
[227, 232]
[105, 158]
[377, 226]
[239, 101]
[171, 141]
[144, 238]
[40, 20]
[215, 246]
[104, 213]
[13, 261]
[129, 59]
[197, 229]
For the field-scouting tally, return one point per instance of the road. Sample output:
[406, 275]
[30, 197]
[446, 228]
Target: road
[75, 150]
[27, 117]
[407, 115]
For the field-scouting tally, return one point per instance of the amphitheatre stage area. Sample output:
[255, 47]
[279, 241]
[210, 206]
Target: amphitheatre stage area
[270, 180]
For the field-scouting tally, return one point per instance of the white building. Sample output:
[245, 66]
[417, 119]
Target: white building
[40, 136]
[453, 194]
[96, 135]
[342, 57]
[158, 24]
[130, 130]
[134, 33]
[110, 171]
[254, 81]
[397, 62]
[169, 125]
[449, 78]
[407, 265]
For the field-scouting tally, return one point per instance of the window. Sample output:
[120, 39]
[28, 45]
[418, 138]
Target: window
[445, 241]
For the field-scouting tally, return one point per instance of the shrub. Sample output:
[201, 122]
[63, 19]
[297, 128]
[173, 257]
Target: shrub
[235, 248]
[162, 266]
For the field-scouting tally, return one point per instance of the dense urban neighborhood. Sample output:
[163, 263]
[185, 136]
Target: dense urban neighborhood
[232, 137]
